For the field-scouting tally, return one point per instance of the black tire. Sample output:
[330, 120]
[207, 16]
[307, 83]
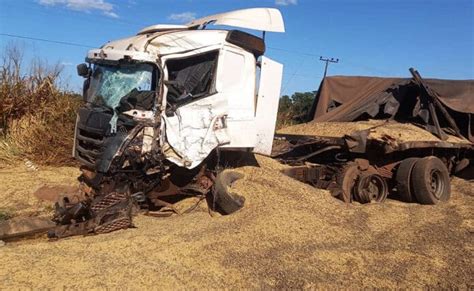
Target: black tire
[403, 180]
[346, 181]
[430, 181]
[226, 201]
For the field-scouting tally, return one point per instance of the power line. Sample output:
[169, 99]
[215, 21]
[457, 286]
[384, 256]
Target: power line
[273, 48]
[292, 76]
[46, 40]
[346, 61]
[292, 52]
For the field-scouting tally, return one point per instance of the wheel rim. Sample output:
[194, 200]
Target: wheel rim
[371, 188]
[436, 184]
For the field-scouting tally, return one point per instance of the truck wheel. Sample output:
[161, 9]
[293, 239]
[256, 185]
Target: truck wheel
[430, 181]
[402, 178]
[346, 181]
[226, 201]
[371, 188]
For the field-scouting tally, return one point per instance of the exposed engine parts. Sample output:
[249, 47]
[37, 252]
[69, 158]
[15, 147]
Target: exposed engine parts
[104, 213]
[113, 198]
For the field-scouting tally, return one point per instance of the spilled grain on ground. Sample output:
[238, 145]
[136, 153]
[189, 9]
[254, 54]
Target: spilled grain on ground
[287, 235]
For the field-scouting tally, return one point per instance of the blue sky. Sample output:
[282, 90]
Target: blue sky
[370, 37]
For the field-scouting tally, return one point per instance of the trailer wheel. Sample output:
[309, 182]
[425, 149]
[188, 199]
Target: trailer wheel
[403, 177]
[430, 181]
[371, 187]
[346, 180]
[225, 201]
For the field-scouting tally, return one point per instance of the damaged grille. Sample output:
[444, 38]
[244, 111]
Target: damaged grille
[88, 146]
[90, 136]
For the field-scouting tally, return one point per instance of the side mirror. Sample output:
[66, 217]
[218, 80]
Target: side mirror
[83, 70]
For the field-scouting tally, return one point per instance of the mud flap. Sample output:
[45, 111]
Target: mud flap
[225, 201]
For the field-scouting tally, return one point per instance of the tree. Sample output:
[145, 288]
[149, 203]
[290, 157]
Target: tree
[294, 109]
[302, 103]
[285, 104]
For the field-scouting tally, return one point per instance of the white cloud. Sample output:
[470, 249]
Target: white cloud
[286, 2]
[83, 5]
[111, 14]
[183, 17]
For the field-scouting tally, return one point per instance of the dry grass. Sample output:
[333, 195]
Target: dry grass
[288, 235]
[36, 116]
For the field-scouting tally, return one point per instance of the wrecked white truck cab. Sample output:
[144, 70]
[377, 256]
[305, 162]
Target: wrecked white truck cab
[205, 84]
[163, 108]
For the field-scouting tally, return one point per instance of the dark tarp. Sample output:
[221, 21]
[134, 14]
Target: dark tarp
[343, 98]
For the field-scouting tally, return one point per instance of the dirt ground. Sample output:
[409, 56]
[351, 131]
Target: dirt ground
[288, 235]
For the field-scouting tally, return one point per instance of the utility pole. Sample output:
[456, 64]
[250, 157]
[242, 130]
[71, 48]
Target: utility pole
[328, 60]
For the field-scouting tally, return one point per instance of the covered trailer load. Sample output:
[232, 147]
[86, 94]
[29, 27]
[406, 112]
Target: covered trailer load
[368, 137]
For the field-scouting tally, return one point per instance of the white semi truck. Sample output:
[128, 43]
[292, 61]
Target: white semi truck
[160, 108]
[166, 108]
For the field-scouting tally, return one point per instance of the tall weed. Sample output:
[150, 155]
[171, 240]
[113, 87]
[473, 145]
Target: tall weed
[36, 116]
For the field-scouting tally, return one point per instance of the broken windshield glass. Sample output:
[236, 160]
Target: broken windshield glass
[109, 84]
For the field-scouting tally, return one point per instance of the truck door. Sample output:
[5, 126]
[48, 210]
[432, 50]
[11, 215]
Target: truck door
[195, 118]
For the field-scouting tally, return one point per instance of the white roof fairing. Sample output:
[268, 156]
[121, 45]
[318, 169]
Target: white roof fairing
[265, 19]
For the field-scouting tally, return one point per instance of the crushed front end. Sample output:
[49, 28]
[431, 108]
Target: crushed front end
[117, 142]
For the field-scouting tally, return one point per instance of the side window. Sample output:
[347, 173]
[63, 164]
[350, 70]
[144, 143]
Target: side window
[191, 78]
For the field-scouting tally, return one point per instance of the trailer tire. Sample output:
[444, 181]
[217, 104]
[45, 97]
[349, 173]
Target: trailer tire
[403, 180]
[226, 201]
[346, 181]
[430, 181]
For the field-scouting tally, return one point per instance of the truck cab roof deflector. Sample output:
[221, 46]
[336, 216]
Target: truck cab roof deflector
[264, 19]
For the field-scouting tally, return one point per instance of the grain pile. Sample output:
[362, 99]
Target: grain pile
[330, 129]
[378, 130]
[288, 235]
[407, 132]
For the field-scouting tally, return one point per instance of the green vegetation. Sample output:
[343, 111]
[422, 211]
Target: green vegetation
[294, 109]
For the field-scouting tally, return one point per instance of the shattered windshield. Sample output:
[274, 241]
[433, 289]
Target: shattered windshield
[109, 84]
